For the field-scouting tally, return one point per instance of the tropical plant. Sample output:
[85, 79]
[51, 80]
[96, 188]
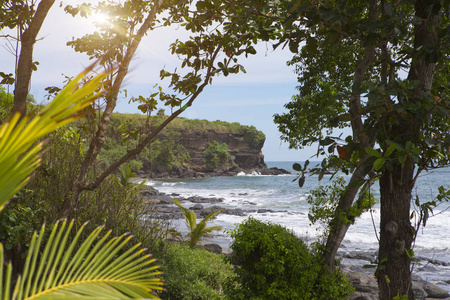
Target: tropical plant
[197, 231]
[18, 148]
[94, 269]
[90, 270]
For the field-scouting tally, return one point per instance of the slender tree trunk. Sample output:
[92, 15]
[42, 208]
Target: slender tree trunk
[25, 64]
[338, 228]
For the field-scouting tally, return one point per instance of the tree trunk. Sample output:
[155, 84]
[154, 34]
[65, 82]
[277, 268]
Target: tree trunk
[25, 65]
[338, 228]
[396, 232]
[396, 184]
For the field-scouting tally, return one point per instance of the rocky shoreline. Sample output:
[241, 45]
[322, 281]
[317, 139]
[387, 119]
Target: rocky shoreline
[187, 172]
[362, 279]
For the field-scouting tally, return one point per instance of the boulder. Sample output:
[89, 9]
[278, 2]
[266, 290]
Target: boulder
[214, 248]
[206, 211]
[435, 292]
[196, 207]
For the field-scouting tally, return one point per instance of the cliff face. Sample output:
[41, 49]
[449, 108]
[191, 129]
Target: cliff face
[244, 156]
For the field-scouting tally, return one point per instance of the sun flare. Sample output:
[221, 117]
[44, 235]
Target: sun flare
[99, 19]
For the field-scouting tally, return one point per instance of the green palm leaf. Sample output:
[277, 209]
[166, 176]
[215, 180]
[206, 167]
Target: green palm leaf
[197, 231]
[94, 270]
[18, 148]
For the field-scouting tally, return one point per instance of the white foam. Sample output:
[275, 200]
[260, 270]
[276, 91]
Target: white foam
[254, 173]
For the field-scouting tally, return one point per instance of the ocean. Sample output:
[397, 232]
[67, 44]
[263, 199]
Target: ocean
[290, 209]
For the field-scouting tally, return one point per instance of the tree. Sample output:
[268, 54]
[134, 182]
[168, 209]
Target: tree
[370, 66]
[27, 16]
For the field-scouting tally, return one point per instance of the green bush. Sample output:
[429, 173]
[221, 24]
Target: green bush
[254, 137]
[216, 155]
[272, 263]
[194, 274]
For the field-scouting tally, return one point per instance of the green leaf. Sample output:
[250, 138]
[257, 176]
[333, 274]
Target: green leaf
[306, 164]
[301, 181]
[378, 164]
[373, 152]
[297, 167]
[18, 148]
[67, 269]
[389, 150]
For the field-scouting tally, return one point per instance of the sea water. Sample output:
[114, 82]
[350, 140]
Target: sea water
[290, 208]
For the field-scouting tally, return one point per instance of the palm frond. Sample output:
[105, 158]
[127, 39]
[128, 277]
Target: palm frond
[189, 215]
[94, 270]
[18, 148]
[211, 216]
[197, 231]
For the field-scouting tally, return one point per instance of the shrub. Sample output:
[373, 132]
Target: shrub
[254, 137]
[192, 273]
[275, 264]
[216, 154]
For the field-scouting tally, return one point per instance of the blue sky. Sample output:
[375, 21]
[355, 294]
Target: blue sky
[250, 99]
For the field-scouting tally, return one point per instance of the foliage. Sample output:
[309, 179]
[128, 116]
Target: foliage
[272, 263]
[168, 153]
[18, 137]
[194, 274]
[216, 154]
[197, 231]
[254, 137]
[6, 103]
[18, 222]
[325, 199]
[66, 269]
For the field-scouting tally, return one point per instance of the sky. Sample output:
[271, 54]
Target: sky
[250, 99]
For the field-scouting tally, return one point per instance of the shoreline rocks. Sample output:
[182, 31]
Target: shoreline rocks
[190, 173]
[366, 287]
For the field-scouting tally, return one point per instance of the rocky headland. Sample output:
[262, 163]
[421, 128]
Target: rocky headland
[245, 156]
[187, 148]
